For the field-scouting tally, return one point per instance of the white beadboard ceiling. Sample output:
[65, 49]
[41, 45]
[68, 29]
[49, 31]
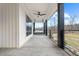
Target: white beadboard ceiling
[47, 8]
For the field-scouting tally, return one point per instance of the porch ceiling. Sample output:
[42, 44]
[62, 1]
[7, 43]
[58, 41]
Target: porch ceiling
[43, 8]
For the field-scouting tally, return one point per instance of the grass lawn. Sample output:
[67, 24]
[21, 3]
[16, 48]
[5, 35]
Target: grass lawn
[72, 39]
[72, 35]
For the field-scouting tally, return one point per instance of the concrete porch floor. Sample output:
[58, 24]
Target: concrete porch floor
[38, 45]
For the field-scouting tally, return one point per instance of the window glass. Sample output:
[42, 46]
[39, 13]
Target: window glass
[28, 26]
[52, 27]
[39, 27]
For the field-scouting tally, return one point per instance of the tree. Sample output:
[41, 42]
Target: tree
[72, 22]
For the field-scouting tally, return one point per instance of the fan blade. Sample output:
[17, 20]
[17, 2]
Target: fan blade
[42, 14]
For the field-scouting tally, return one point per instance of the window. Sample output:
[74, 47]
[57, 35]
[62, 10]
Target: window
[39, 27]
[52, 27]
[28, 26]
[71, 20]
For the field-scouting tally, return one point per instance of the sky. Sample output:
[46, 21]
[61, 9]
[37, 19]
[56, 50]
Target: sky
[71, 8]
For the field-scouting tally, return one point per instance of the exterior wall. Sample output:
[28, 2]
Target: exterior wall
[8, 25]
[22, 26]
[12, 25]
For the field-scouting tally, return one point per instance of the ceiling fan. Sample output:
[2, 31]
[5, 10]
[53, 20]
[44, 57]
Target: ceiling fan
[39, 13]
